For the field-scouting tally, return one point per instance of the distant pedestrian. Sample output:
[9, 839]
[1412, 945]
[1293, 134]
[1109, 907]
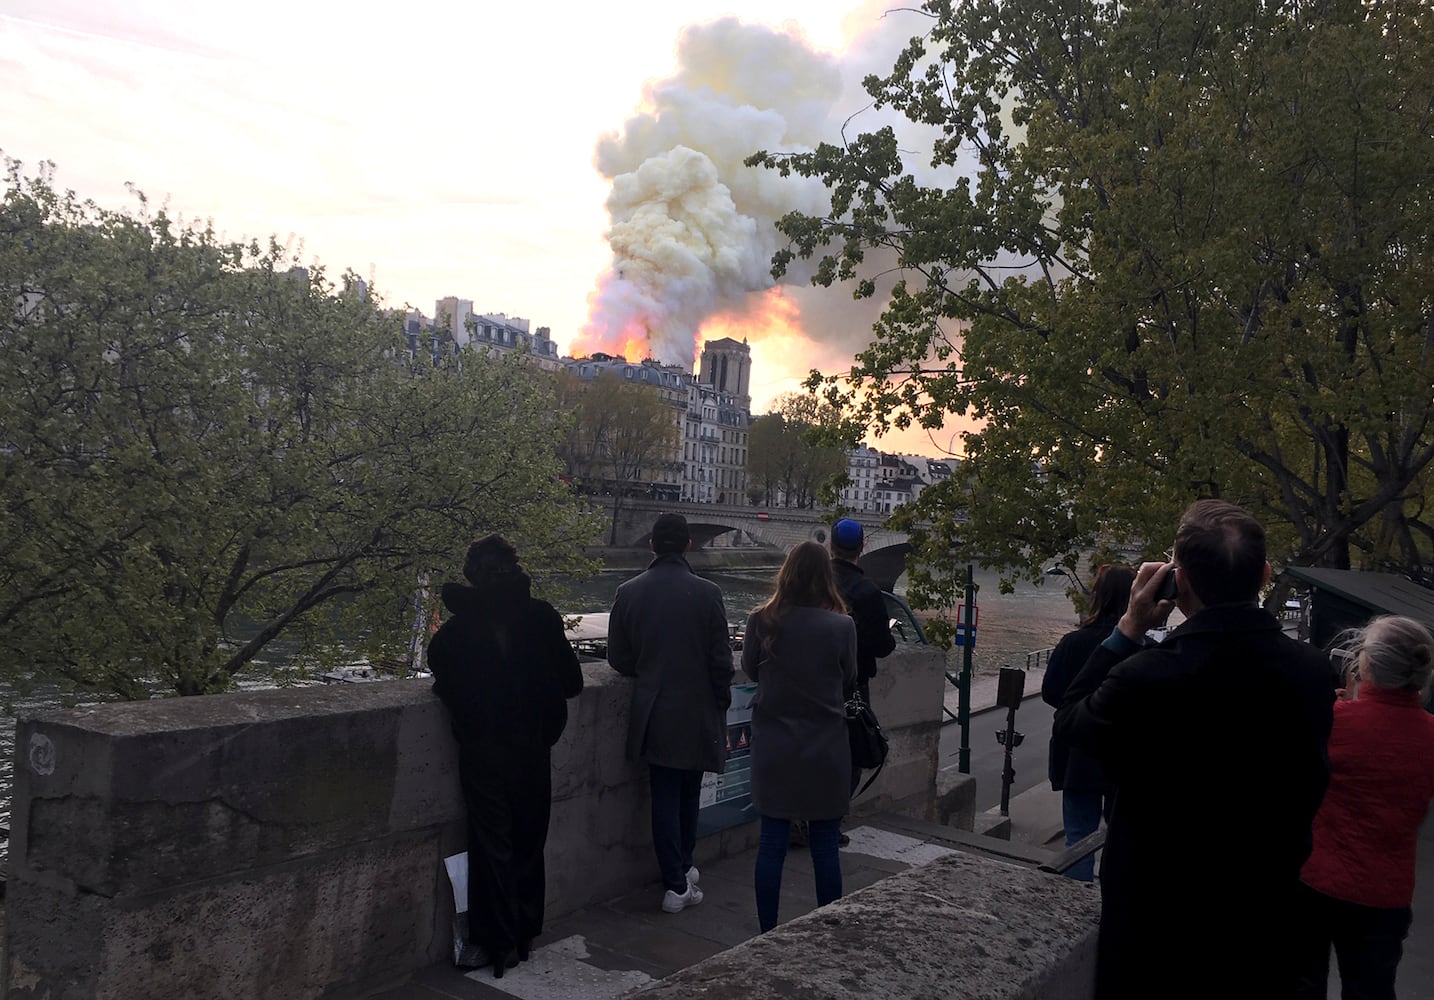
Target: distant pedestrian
[1216, 741]
[668, 630]
[504, 668]
[1086, 790]
[1359, 880]
[800, 648]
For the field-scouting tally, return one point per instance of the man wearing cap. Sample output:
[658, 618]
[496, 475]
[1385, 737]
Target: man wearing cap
[668, 630]
[865, 605]
[863, 600]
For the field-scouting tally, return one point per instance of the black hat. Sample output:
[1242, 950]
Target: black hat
[670, 534]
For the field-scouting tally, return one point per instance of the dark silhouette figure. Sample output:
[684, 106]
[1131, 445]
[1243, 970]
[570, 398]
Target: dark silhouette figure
[504, 668]
[1216, 741]
[1086, 790]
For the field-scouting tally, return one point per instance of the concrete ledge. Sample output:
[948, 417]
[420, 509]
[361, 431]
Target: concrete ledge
[958, 928]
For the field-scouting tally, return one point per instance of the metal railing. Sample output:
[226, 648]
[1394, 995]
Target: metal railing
[1036, 659]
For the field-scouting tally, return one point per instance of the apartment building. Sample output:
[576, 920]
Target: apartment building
[863, 467]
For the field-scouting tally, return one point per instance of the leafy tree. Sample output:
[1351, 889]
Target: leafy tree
[789, 454]
[622, 434]
[204, 449]
[1159, 251]
[580, 449]
[767, 455]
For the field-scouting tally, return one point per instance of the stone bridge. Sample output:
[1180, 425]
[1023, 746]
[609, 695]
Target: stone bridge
[780, 528]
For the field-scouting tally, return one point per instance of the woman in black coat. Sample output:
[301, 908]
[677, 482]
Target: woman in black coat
[1080, 778]
[503, 666]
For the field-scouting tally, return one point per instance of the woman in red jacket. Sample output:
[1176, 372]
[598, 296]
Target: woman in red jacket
[1359, 880]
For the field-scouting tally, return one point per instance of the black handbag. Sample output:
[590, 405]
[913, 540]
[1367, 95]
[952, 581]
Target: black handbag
[868, 742]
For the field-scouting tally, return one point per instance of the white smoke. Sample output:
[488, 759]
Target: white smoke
[693, 229]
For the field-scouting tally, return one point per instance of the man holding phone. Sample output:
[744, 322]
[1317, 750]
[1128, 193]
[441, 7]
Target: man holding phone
[1216, 741]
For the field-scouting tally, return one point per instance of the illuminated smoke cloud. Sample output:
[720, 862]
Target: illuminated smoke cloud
[692, 228]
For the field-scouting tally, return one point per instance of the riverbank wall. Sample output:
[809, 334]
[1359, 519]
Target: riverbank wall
[290, 843]
[635, 559]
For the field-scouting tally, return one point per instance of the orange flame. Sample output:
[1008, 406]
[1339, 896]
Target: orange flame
[627, 338]
[769, 317]
[782, 352]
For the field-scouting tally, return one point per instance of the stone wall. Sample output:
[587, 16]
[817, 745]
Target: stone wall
[958, 928]
[289, 843]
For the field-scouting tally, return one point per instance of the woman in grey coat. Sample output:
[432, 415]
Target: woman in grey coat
[800, 648]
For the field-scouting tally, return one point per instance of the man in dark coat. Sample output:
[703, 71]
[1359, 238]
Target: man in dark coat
[1216, 741]
[668, 630]
[864, 602]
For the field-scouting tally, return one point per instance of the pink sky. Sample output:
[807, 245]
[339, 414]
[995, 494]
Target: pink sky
[438, 148]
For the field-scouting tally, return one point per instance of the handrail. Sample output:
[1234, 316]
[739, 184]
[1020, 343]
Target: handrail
[1073, 855]
[910, 615]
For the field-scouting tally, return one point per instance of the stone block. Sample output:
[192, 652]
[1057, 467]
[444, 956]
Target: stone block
[292, 931]
[955, 798]
[908, 686]
[958, 928]
[992, 824]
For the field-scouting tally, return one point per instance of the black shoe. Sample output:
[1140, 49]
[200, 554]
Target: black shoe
[503, 963]
[843, 840]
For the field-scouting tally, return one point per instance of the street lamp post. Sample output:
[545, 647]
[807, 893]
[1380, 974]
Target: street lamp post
[1059, 570]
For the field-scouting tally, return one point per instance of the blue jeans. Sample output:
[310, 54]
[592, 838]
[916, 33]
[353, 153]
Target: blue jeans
[1081, 812]
[675, 796]
[824, 835]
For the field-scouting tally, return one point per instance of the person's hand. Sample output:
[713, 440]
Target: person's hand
[1349, 690]
[1146, 611]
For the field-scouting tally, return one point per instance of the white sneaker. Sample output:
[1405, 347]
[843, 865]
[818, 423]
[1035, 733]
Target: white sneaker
[693, 875]
[673, 902]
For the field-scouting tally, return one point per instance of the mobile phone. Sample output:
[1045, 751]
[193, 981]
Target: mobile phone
[1169, 589]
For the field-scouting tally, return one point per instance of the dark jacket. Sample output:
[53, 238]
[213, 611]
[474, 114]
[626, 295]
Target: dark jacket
[801, 755]
[503, 666]
[1216, 741]
[1073, 768]
[668, 629]
[868, 609]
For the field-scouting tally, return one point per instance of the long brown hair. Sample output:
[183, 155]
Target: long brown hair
[1110, 593]
[805, 580]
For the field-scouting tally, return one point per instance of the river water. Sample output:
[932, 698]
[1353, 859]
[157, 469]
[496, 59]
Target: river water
[1008, 627]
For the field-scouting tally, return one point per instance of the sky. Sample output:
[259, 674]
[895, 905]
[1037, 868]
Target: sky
[578, 166]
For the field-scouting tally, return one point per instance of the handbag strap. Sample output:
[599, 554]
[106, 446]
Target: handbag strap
[879, 768]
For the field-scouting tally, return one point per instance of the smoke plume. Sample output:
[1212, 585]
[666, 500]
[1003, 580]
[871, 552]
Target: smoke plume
[693, 230]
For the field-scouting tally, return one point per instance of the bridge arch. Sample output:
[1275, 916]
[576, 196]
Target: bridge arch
[884, 559]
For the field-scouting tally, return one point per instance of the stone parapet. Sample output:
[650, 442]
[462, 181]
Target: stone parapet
[289, 843]
[958, 928]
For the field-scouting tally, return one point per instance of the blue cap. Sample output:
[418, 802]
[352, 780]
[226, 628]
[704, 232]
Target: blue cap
[847, 534]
